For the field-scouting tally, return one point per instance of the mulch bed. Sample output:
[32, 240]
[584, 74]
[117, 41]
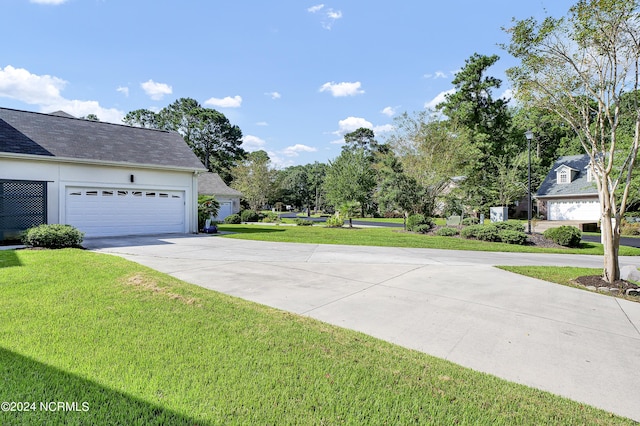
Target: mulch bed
[598, 282]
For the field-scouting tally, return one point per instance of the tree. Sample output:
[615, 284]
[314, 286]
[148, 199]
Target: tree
[350, 177]
[254, 178]
[208, 132]
[581, 67]
[431, 152]
[485, 122]
[361, 138]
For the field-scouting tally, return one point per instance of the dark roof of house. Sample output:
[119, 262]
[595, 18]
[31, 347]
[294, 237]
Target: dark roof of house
[212, 184]
[65, 137]
[578, 185]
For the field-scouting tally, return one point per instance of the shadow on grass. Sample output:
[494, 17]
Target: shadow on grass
[27, 380]
[8, 258]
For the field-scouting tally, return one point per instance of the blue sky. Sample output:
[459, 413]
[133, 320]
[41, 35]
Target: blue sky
[294, 75]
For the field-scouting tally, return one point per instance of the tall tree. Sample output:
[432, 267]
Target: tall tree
[207, 132]
[361, 138]
[581, 67]
[350, 177]
[254, 177]
[486, 122]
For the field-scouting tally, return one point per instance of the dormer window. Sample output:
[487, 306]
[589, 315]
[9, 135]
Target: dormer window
[563, 176]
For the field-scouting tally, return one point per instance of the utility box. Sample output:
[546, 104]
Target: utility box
[499, 214]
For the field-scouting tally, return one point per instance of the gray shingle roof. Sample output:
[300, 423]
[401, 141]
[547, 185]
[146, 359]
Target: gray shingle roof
[578, 186]
[23, 132]
[212, 184]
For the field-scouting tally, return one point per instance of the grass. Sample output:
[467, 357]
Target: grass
[556, 274]
[140, 347]
[389, 237]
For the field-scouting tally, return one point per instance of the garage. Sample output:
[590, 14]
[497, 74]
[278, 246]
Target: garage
[102, 212]
[574, 210]
[105, 179]
[226, 209]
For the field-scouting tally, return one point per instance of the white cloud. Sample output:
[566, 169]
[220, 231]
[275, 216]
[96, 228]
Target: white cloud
[279, 162]
[274, 95]
[316, 8]
[385, 128]
[507, 94]
[329, 16]
[350, 124]
[252, 143]
[45, 92]
[437, 74]
[156, 91]
[441, 97]
[295, 150]
[227, 102]
[51, 2]
[389, 111]
[262, 123]
[342, 89]
[123, 90]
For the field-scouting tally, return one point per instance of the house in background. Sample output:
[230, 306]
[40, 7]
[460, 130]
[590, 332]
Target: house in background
[105, 179]
[569, 191]
[229, 198]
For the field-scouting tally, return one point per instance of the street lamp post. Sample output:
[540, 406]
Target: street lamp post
[529, 135]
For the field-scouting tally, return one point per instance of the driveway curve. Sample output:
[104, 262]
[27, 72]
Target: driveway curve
[451, 304]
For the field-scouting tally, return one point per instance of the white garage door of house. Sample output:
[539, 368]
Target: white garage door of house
[226, 209]
[574, 210]
[113, 211]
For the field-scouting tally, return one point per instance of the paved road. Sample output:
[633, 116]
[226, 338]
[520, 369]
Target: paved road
[450, 304]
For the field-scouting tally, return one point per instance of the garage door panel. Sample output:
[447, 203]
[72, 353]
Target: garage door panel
[573, 210]
[115, 211]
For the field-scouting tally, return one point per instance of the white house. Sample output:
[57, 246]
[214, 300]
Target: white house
[105, 179]
[229, 198]
[569, 191]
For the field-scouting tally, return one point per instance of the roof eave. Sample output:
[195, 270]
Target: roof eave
[99, 162]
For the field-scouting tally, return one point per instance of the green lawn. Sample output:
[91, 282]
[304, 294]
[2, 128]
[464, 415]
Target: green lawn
[140, 347]
[556, 274]
[390, 237]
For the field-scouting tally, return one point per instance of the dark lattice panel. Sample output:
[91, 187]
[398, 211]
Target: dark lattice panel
[23, 204]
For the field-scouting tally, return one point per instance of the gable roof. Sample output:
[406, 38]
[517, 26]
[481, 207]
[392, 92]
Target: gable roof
[212, 184]
[579, 186]
[67, 138]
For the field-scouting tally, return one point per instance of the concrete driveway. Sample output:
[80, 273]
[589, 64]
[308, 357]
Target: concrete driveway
[451, 304]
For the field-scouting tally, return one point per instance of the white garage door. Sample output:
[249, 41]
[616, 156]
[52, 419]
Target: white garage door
[113, 211]
[226, 209]
[574, 210]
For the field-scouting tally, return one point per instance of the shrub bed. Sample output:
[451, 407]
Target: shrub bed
[303, 222]
[419, 223]
[334, 222]
[512, 237]
[53, 236]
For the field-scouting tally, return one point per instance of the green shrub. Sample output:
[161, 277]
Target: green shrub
[511, 225]
[303, 222]
[512, 237]
[447, 232]
[568, 236]
[334, 222]
[249, 216]
[417, 220]
[208, 207]
[487, 232]
[629, 228]
[414, 220]
[467, 221]
[53, 236]
[233, 219]
[271, 217]
[422, 229]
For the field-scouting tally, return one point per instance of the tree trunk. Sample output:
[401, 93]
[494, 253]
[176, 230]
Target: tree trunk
[611, 242]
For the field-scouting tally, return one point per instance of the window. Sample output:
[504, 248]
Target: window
[107, 193]
[122, 193]
[91, 193]
[562, 177]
